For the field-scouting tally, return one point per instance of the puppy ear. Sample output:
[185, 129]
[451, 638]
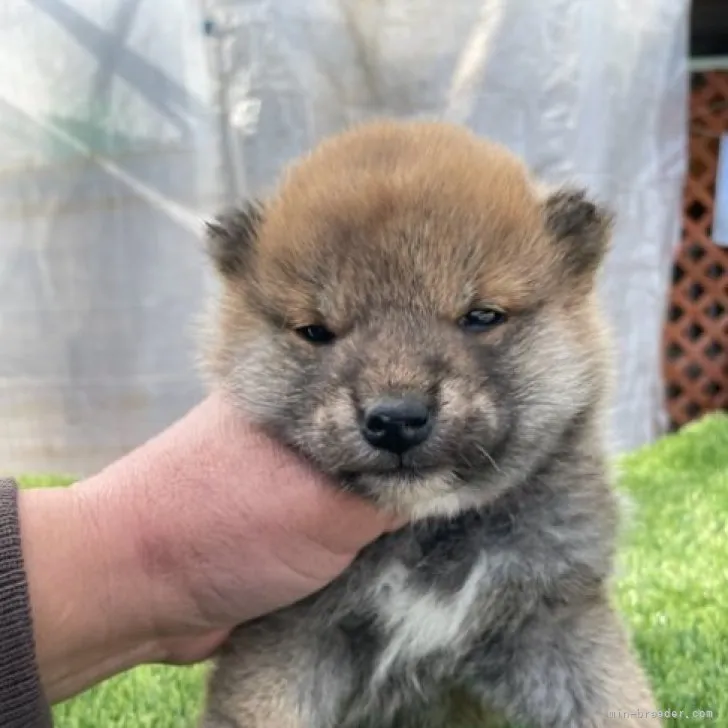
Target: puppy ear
[231, 237]
[580, 227]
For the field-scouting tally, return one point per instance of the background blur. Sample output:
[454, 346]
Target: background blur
[123, 123]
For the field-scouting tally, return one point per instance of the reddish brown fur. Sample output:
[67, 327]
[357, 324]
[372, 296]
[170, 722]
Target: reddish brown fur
[467, 189]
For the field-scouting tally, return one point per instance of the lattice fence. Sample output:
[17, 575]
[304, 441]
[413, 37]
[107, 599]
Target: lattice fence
[696, 333]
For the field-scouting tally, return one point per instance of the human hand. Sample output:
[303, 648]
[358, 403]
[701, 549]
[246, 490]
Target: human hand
[160, 555]
[237, 526]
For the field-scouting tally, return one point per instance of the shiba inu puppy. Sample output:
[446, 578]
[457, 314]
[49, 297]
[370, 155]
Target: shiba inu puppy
[416, 315]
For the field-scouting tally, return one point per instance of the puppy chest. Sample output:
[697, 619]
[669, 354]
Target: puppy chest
[419, 619]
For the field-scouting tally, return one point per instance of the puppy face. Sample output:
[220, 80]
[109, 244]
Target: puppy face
[410, 312]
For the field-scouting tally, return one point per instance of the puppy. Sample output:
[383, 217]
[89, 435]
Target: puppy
[418, 317]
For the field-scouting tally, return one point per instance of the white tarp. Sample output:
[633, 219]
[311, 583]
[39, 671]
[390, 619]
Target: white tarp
[109, 155]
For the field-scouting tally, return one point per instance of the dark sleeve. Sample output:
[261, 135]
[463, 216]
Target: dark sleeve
[22, 703]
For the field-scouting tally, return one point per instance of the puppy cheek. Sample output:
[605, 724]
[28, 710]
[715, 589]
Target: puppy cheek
[330, 434]
[263, 383]
[336, 412]
[464, 406]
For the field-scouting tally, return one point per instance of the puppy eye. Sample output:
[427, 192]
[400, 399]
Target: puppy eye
[481, 319]
[315, 334]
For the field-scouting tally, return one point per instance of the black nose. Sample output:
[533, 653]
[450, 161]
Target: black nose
[397, 424]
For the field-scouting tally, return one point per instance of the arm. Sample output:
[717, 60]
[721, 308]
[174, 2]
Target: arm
[158, 557]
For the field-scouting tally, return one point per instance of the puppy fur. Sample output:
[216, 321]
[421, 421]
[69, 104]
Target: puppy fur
[496, 594]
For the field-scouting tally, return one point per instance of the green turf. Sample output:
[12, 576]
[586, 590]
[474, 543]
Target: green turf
[672, 585]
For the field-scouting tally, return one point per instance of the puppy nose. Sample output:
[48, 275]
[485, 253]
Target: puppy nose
[397, 424]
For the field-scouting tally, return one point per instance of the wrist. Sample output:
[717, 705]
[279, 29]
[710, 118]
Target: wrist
[87, 597]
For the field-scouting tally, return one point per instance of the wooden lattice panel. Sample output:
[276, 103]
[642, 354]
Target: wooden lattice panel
[696, 334]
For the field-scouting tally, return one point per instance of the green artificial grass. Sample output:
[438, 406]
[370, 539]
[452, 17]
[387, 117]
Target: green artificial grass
[672, 586]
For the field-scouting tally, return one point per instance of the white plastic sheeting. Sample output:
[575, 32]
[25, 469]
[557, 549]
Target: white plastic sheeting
[109, 139]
